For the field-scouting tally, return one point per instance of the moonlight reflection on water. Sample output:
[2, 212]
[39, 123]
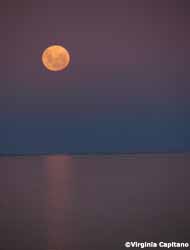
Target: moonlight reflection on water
[58, 193]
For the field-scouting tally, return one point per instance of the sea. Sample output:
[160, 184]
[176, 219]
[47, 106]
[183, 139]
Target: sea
[94, 202]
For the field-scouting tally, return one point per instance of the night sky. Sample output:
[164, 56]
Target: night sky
[126, 89]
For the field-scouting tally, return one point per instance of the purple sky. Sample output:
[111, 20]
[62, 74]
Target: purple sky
[128, 58]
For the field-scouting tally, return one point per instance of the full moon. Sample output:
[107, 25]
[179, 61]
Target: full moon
[55, 58]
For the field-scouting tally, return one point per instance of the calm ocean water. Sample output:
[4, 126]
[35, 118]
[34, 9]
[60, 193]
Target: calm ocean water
[93, 202]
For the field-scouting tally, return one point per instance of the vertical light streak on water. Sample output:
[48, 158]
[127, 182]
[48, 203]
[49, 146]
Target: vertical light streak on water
[58, 196]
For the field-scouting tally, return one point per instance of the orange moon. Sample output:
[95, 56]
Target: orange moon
[55, 58]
